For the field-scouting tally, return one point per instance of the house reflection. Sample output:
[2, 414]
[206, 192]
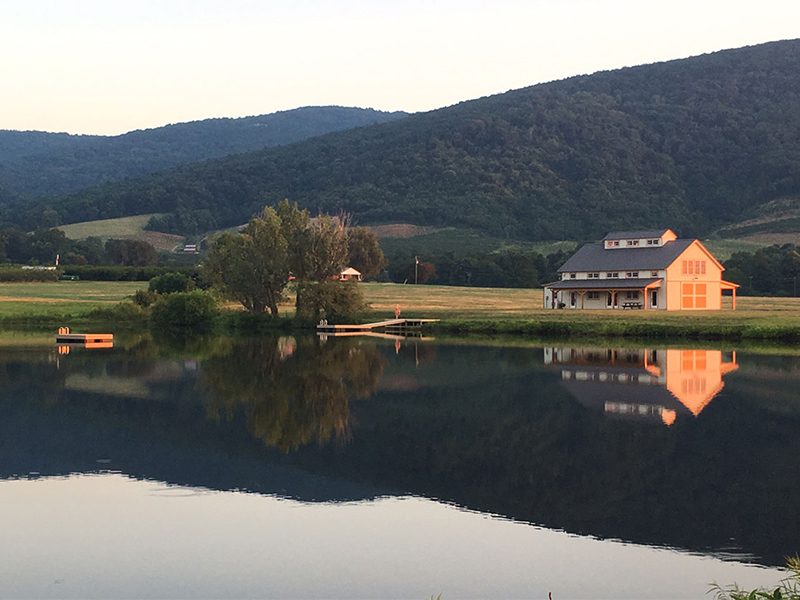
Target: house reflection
[642, 383]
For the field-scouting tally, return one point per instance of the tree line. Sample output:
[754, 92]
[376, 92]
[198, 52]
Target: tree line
[771, 271]
[44, 245]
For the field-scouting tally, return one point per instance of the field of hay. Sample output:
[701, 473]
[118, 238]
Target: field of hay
[124, 228]
[76, 298]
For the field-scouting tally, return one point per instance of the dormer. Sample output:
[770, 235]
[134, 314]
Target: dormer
[617, 240]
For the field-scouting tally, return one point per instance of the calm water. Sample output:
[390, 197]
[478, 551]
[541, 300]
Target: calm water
[310, 468]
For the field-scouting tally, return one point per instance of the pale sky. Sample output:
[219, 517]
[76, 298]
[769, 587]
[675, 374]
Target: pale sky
[107, 67]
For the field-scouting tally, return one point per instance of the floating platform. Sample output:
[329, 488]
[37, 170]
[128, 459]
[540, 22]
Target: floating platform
[395, 326]
[87, 340]
[84, 338]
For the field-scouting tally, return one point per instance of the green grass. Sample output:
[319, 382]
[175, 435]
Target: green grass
[53, 300]
[108, 228]
[462, 310]
[724, 249]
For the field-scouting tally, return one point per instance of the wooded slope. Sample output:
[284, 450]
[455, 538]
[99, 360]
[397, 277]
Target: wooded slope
[35, 163]
[689, 144]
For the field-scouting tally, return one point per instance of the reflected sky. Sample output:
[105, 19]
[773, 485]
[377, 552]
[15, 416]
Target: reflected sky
[110, 536]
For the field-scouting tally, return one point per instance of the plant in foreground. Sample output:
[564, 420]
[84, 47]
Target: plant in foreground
[788, 589]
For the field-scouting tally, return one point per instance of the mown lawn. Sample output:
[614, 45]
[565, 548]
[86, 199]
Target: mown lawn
[437, 302]
[62, 297]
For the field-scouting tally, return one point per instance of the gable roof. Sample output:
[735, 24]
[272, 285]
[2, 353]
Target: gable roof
[593, 257]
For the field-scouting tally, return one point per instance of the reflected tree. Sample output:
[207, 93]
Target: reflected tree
[292, 392]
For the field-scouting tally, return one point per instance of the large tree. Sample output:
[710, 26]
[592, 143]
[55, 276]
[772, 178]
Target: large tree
[365, 252]
[253, 267]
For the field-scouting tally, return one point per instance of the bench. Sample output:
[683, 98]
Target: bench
[631, 305]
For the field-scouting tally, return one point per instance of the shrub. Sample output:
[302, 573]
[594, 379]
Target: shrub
[144, 298]
[169, 283]
[16, 274]
[788, 589]
[125, 312]
[184, 309]
[331, 300]
[100, 273]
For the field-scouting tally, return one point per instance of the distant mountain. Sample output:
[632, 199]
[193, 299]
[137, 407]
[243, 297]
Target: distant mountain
[35, 163]
[690, 144]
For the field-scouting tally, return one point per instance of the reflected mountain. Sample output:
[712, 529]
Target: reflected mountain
[566, 438]
[642, 383]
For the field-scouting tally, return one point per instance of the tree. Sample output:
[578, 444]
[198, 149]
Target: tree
[252, 267]
[365, 253]
[131, 253]
[325, 249]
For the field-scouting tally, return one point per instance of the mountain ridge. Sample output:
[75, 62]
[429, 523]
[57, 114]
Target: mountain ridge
[691, 144]
[36, 163]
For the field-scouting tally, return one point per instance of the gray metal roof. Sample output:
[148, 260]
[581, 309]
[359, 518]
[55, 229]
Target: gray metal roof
[602, 284]
[635, 235]
[593, 257]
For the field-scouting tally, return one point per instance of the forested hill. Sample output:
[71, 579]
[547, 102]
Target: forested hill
[35, 163]
[688, 144]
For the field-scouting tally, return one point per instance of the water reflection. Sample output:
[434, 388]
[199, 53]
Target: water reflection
[516, 431]
[642, 383]
[292, 392]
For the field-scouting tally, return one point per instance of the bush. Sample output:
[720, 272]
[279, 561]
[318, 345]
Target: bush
[196, 309]
[17, 274]
[336, 301]
[788, 589]
[144, 298]
[169, 283]
[98, 273]
[125, 312]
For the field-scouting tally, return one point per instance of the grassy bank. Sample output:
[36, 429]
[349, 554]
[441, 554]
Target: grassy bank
[461, 310]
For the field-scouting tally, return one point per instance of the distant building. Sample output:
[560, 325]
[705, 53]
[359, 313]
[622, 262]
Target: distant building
[350, 273]
[640, 270]
[190, 248]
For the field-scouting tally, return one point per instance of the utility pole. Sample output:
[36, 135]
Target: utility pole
[416, 269]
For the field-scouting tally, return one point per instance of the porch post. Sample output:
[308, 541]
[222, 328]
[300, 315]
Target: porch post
[734, 298]
[644, 298]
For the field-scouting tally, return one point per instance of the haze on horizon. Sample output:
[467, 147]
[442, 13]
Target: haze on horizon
[108, 67]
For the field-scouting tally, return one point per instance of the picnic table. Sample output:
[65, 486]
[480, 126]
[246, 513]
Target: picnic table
[631, 305]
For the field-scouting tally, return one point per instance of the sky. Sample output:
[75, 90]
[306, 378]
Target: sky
[108, 67]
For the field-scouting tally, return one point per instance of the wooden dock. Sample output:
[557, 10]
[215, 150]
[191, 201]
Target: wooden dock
[393, 327]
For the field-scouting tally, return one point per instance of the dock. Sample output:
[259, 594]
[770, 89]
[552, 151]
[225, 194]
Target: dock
[84, 338]
[87, 340]
[392, 327]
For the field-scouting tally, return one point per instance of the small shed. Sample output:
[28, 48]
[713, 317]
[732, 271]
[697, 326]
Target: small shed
[350, 273]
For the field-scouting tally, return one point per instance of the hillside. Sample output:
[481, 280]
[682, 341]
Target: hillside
[691, 144]
[35, 163]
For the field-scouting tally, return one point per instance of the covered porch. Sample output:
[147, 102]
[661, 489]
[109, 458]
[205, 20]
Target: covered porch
[634, 294]
[727, 285]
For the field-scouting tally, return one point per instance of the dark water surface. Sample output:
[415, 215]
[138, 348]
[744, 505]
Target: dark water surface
[307, 468]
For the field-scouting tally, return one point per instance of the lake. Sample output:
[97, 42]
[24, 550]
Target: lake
[372, 468]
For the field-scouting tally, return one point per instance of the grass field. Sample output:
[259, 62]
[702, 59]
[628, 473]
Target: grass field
[124, 228]
[107, 228]
[76, 298]
[463, 241]
[24, 300]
